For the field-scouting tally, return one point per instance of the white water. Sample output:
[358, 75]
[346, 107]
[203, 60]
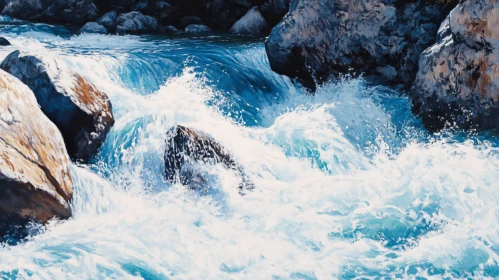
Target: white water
[346, 184]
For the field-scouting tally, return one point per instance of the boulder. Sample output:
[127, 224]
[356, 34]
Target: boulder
[93, 27]
[197, 28]
[188, 20]
[159, 9]
[136, 23]
[35, 180]
[252, 23]
[322, 38]
[185, 146]
[55, 11]
[458, 80]
[108, 20]
[81, 112]
[4, 42]
[274, 10]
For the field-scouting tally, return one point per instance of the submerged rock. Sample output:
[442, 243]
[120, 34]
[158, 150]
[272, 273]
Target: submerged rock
[185, 146]
[252, 23]
[93, 27]
[109, 20]
[136, 23]
[35, 180]
[197, 28]
[320, 38]
[58, 11]
[458, 80]
[4, 42]
[81, 112]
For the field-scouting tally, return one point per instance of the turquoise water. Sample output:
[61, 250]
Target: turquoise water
[348, 184]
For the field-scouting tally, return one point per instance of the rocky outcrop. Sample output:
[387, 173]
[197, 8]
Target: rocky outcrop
[109, 20]
[4, 42]
[197, 28]
[136, 23]
[81, 112]
[35, 180]
[55, 11]
[185, 146]
[252, 23]
[93, 27]
[381, 38]
[458, 80]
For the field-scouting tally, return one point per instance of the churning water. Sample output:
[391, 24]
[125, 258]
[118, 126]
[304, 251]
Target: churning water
[347, 182]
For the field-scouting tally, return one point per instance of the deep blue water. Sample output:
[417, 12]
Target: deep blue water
[348, 184]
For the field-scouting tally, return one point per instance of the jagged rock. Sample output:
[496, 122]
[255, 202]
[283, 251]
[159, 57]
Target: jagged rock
[58, 11]
[197, 28]
[93, 27]
[321, 38]
[185, 146]
[274, 10]
[4, 42]
[35, 180]
[109, 20]
[252, 23]
[136, 23]
[458, 80]
[81, 112]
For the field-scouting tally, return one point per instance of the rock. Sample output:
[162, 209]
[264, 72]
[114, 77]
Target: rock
[458, 80]
[109, 20]
[81, 112]
[322, 38]
[274, 10]
[136, 23]
[55, 11]
[35, 180]
[188, 20]
[197, 28]
[170, 30]
[185, 146]
[93, 27]
[252, 23]
[159, 9]
[4, 42]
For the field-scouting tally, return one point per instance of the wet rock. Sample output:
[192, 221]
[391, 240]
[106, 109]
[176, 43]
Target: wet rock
[136, 23]
[4, 42]
[56, 11]
[93, 27]
[185, 146]
[252, 23]
[109, 20]
[188, 20]
[81, 112]
[35, 180]
[197, 28]
[274, 10]
[323, 38]
[170, 30]
[458, 80]
[159, 9]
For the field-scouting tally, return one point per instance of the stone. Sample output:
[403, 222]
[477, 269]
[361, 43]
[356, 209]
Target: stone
[4, 42]
[274, 10]
[252, 23]
[185, 146]
[136, 23]
[82, 113]
[159, 9]
[197, 28]
[108, 20]
[35, 179]
[93, 27]
[457, 85]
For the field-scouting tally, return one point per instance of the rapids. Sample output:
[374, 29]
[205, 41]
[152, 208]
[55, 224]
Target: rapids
[348, 184]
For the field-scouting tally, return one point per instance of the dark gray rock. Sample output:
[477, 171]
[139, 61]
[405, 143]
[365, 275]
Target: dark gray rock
[109, 20]
[170, 30]
[55, 11]
[185, 146]
[188, 20]
[197, 28]
[93, 27]
[82, 113]
[458, 80]
[159, 9]
[274, 10]
[136, 23]
[4, 42]
[321, 38]
[252, 23]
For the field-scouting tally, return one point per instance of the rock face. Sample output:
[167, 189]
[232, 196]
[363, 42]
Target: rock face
[56, 11]
[81, 112]
[252, 23]
[185, 146]
[458, 79]
[381, 38]
[136, 23]
[93, 27]
[35, 181]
